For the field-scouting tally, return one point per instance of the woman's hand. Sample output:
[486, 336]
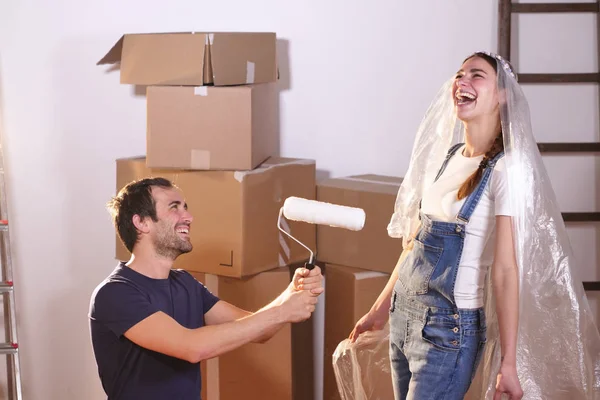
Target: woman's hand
[507, 383]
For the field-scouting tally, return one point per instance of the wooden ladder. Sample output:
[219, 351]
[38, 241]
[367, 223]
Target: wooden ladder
[505, 11]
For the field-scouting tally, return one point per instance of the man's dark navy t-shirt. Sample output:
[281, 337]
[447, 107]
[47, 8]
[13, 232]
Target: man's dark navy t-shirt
[131, 372]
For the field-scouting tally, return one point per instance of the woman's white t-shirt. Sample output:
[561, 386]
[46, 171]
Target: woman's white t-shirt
[440, 203]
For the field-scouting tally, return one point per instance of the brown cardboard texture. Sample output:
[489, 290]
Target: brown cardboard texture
[204, 377]
[211, 128]
[371, 248]
[259, 371]
[195, 58]
[350, 293]
[234, 231]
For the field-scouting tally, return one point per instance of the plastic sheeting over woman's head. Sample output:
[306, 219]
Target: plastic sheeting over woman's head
[558, 344]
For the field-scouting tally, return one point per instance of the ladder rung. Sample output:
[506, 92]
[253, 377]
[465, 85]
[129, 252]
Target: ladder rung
[581, 216]
[573, 147]
[592, 286]
[8, 348]
[6, 287]
[560, 78]
[554, 7]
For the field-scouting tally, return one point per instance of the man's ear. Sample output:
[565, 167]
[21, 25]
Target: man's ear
[141, 224]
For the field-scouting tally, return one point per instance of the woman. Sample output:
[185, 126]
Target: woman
[485, 274]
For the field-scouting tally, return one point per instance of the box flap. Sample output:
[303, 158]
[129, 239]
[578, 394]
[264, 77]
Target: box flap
[275, 161]
[163, 59]
[114, 54]
[174, 58]
[195, 58]
[272, 162]
[248, 57]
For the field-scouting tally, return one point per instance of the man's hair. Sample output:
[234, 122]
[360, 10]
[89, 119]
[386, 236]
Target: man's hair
[134, 198]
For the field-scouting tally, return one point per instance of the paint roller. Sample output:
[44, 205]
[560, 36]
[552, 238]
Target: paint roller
[321, 213]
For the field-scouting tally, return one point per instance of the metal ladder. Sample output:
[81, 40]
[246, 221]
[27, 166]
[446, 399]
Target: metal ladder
[10, 348]
[505, 10]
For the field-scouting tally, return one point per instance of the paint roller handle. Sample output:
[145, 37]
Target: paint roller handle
[309, 265]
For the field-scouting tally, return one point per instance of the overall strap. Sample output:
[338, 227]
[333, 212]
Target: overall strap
[451, 152]
[449, 155]
[467, 209]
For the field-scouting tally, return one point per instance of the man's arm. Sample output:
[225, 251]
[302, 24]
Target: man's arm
[223, 312]
[162, 334]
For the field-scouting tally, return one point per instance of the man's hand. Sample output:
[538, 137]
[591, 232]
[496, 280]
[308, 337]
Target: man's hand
[309, 280]
[297, 306]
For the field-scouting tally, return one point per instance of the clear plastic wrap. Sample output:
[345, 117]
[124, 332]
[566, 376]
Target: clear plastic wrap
[362, 368]
[558, 348]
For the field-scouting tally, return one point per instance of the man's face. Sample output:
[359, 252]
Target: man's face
[171, 233]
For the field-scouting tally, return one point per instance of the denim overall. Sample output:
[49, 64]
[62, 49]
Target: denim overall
[435, 347]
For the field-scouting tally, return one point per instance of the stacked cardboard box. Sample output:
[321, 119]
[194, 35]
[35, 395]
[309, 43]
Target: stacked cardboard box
[212, 128]
[284, 363]
[358, 264]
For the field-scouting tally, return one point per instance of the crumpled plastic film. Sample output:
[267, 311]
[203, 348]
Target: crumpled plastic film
[362, 369]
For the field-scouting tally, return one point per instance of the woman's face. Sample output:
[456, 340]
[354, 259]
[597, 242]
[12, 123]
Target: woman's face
[475, 90]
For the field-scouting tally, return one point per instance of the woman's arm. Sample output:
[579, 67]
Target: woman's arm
[505, 283]
[378, 315]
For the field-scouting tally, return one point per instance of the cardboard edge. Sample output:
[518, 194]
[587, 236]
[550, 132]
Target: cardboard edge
[266, 166]
[207, 63]
[359, 178]
[347, 182]
[113, 56]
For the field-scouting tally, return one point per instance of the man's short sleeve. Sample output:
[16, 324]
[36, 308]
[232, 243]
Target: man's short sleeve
[208, 298]
[119, 306]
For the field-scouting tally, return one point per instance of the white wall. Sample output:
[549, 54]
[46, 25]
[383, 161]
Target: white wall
[66, 120]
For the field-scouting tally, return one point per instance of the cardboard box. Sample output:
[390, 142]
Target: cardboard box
[349, 294]
[271, 370]
[195, 58]
[371, 248]
[204, 377]
[234, 232]
[211, 128]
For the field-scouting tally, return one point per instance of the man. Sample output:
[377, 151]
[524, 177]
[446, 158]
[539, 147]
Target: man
[151, 325]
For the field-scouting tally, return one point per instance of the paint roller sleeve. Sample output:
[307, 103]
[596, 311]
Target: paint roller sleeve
[321, 213]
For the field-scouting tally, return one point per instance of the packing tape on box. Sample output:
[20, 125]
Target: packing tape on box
[250, 66]
[209, 39]
[200, 91]
[200, 159]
